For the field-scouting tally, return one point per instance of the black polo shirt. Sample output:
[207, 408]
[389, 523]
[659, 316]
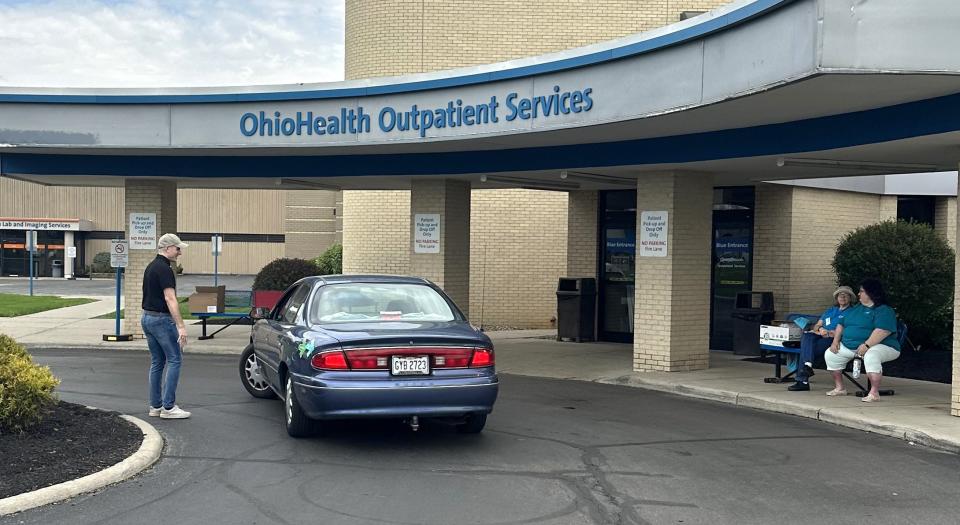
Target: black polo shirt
[157, 277]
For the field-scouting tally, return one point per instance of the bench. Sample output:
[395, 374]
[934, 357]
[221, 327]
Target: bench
[792, 348]
[232, 299]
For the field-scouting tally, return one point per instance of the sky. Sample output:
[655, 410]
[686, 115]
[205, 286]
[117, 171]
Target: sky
[169, 43]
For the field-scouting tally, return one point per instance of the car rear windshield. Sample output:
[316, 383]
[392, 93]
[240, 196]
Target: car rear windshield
[375, 302]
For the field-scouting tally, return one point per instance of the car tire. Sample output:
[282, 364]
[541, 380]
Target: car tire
[473, 425]
[297, 423]
[251, 375]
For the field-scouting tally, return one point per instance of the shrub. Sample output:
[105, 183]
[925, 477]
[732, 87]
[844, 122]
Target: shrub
[331, 261]
[101, 263]
[281, 273]
[26, 389]
[916, 267]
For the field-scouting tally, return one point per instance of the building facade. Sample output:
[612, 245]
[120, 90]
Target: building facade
[789, 233]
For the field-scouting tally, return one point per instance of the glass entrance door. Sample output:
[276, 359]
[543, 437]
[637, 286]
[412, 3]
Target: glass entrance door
[618, 226]
[732, 270]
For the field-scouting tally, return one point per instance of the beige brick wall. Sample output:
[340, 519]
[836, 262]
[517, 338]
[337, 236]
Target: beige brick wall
[672, 295]
[518, 252]
[145, 196]
[796, 233]
[772, 241]
[430, 35]
[888, 207]
[376, 232]
[582, 233]
[945, 219]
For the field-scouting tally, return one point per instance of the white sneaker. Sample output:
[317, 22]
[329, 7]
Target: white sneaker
[154, 412]
[174, 413]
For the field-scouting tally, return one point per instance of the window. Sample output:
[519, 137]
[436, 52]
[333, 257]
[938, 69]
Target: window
[290, 309]
[374, 302]
[917, 208]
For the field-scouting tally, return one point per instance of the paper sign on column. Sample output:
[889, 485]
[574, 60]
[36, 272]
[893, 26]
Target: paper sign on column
[426, 238]
[653, 234]
[143, 231]
[71, 252]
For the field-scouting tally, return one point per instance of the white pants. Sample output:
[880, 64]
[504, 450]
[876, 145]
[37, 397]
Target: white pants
[872, 360]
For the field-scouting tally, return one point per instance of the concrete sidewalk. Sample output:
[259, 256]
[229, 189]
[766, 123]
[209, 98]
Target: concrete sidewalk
[919, 412]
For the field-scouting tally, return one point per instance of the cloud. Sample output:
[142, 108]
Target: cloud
[154, 43]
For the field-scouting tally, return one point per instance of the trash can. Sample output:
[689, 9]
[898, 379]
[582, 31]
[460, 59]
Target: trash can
[576, 304]
[57, 269]
[750, 310]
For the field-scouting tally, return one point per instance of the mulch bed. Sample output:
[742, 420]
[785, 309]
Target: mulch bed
[71, 442]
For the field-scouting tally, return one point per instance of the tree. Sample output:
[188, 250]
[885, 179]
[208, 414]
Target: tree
[916, 267]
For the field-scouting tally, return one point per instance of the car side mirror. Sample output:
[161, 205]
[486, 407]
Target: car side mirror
[259, 312]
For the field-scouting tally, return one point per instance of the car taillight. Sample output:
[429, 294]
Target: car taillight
[332, 360]
[482, 356]
[441, 357]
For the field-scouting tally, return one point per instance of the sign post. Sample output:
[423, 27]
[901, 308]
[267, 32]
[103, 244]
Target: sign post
[216, 248]
[31, 247]
[119, 258]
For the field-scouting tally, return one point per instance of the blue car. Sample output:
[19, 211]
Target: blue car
[369, 346]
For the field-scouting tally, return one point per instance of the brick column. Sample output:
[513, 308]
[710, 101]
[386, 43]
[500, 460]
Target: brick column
[955, 394]
[449, 269]
[582, 233]
[672, 309]
[145, 196]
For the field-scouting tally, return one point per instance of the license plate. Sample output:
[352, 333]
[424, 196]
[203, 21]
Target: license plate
[410, 366]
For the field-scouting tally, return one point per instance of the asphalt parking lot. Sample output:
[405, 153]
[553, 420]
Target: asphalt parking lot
[554, 452]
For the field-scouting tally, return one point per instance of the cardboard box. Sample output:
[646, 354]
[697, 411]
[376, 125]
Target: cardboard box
[779, 332]
[207, 299]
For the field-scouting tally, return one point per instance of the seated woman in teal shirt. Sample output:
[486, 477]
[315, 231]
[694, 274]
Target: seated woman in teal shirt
[868, 331]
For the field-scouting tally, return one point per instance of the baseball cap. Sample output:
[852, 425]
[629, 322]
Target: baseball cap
[170, 239]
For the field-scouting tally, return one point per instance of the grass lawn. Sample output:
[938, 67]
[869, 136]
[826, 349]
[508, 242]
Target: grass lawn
[12, 305]
[184, 311]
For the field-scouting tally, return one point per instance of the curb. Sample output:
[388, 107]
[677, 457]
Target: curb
[755, 402]
[146, 455]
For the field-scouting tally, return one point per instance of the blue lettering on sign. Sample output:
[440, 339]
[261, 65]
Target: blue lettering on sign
[421, 120]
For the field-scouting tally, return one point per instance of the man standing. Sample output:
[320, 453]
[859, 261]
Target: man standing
[164, 328]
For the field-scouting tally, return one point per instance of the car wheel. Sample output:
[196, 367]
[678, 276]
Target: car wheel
[298, 424]
[473, 425]
[251, 374]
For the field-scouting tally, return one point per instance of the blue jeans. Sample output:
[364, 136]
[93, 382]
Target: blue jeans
[810, 345]
[163, 340]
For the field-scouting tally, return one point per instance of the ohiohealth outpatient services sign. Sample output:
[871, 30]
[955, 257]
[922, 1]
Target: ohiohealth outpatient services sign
[653, 234]
[426, 238]
[419, 117]
[143, 231]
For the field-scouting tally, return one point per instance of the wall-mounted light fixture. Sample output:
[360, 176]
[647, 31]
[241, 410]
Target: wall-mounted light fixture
[856, 165]
[532, 184]
[598, 178]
